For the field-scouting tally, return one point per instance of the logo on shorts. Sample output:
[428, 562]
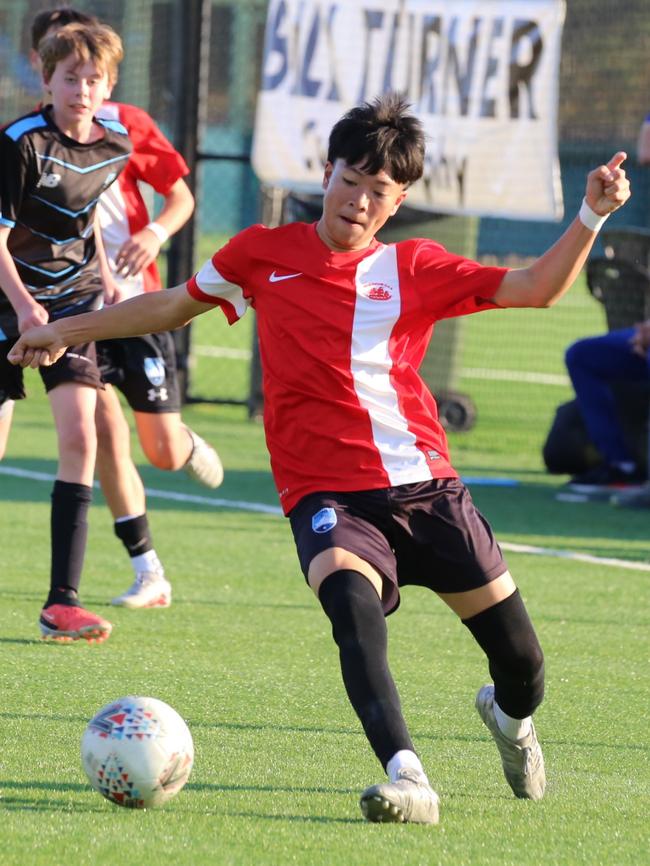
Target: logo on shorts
[323, 520]
[154, 369]
[157, 394]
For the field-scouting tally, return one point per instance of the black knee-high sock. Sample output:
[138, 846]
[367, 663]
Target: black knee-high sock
[507, 637]
[69, 527]
[134, 534]
[359, 629]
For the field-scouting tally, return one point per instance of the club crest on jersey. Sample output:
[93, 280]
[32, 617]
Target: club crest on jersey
[324, 520]
[377, 291]
[154, 370]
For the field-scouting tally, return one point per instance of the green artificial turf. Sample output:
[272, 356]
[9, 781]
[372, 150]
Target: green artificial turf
[245, 655]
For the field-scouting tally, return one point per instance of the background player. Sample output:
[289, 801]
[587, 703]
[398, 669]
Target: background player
[144, 367]
[55, 162]
[359, 457]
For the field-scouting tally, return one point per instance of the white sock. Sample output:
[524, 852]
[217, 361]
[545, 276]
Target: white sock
[147, 562]
[403, 758]
[514, 729]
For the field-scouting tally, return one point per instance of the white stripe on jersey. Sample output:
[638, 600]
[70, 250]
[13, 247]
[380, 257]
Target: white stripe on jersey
[377, 309]
[114, 224]
[210, 281]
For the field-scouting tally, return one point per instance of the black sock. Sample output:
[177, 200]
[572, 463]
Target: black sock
[134, 534]
[359, 629]
[507, 637]
[69, 529]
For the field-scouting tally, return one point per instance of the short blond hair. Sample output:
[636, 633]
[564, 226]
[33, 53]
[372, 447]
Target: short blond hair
[96, 42]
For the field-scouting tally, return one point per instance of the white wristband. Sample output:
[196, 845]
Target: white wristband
[590, 218]
[160, 231]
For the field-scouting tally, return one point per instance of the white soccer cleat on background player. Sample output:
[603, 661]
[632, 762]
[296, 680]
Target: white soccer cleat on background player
[204, 464]
[149, 589]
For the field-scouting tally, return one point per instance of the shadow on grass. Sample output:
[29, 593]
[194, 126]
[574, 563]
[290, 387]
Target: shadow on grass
[25, 803]
[267, 789]
[178, 602]
[433, 611]
[305, 819]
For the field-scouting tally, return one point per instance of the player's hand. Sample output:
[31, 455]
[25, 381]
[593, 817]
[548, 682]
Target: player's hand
[113, 292]
[136, 253]
[31, 316]
[38, 347]
[607, 186]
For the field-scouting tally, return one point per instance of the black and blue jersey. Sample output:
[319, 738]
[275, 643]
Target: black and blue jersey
[49, 187]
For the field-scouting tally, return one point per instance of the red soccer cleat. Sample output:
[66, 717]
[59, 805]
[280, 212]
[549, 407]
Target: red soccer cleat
[63, 623]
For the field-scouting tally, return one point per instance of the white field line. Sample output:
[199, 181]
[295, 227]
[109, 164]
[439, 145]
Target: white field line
[464, 372]
[159, 494]
[514, 376]
[261, 508]
[223, 352]
[574, 556]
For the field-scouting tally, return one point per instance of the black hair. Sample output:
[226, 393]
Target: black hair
[58, 17]
[381, 135]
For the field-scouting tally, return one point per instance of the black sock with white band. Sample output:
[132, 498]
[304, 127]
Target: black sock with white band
[135, 534]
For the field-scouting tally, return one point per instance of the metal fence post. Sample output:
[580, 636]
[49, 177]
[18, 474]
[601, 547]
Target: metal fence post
[190, 64]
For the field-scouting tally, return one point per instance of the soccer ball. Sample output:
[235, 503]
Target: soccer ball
[137, 752]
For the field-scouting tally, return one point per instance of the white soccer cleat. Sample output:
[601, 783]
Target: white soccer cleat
[522, 760]
[149, 589]
[410, 798]
[204, 464]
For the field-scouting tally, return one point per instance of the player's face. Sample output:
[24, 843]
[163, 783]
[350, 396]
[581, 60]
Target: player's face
[356, 205]
[77, 90]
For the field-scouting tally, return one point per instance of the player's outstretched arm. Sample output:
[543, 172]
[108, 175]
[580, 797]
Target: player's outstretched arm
[548, 278]
[145, 314]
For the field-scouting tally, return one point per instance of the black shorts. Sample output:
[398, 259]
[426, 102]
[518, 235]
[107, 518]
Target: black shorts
[428, 533]
[78, 364]
[144, 370]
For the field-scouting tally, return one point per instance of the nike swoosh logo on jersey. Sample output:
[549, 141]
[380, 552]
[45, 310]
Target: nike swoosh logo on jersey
[276, 278]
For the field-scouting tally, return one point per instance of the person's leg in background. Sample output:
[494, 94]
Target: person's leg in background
[124, 493]
[63, 617]
[594, 364]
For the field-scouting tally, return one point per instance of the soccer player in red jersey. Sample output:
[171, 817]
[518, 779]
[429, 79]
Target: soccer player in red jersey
[358, 454]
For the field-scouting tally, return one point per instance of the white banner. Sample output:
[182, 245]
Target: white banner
[482, 75]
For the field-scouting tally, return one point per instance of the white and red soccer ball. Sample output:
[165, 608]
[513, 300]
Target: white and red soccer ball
[137, 752]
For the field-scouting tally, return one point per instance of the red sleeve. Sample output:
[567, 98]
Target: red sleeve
[449, 285]
[233, 261]
[154, 160]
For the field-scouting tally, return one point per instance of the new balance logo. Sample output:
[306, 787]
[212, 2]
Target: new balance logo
[49, 179]
[277, 278]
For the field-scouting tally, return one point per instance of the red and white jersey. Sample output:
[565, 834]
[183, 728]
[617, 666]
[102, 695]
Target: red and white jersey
[341, 336]
[122, 209]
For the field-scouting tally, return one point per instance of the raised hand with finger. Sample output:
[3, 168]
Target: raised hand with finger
[607, 186]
